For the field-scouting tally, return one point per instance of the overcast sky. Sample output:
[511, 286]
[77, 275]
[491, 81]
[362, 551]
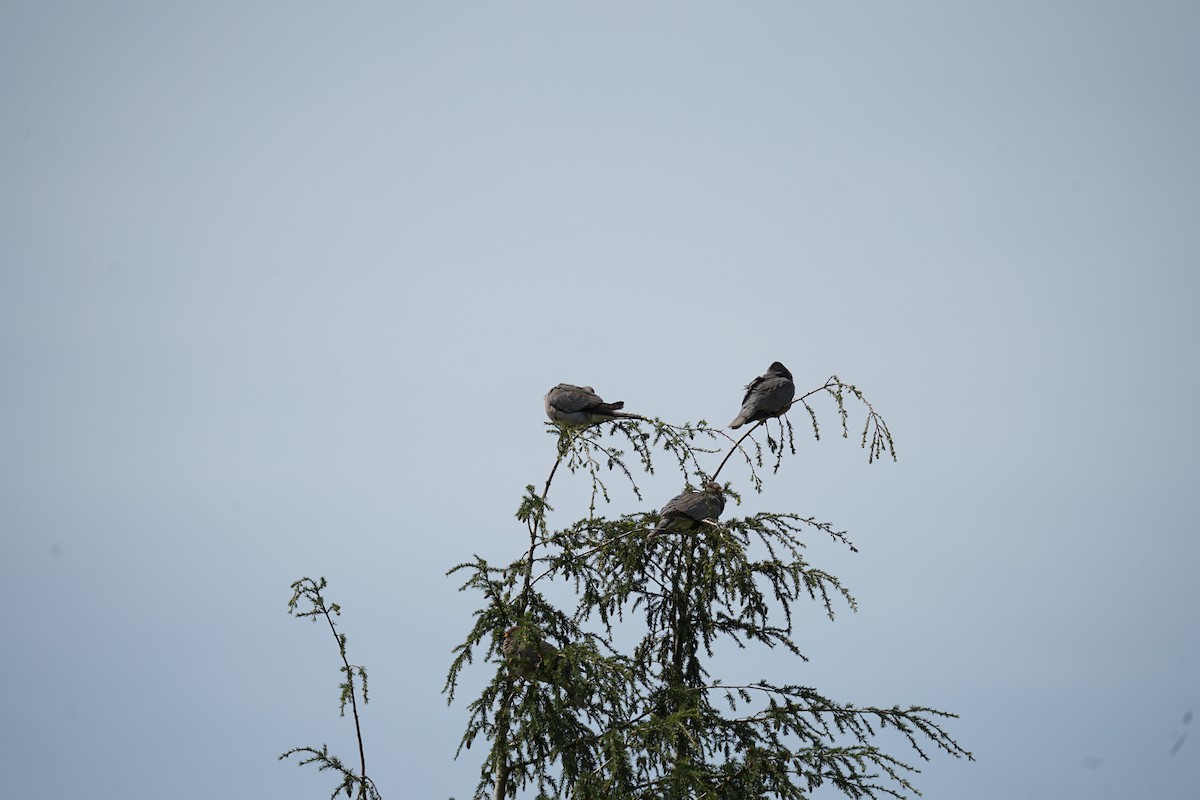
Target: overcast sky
[282, 286]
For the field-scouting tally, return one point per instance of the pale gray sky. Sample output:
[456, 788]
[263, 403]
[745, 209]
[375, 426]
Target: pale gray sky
[282, 286]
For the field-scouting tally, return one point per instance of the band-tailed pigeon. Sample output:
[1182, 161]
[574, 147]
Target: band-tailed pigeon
[687, 512]
[527, 655]
[766, 396]
[579, 407]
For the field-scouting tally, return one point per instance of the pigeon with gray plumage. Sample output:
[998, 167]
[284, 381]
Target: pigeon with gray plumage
[580, 407]
[532, 658]
[767, 396]
[688, 511]
[527, 655]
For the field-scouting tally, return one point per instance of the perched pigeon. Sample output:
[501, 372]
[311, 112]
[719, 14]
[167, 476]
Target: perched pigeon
[766, 396]
[579, 407]
[528, 656]
[687, 512]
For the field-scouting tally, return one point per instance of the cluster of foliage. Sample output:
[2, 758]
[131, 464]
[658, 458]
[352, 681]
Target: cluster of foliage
[350, 782]
[620, 702]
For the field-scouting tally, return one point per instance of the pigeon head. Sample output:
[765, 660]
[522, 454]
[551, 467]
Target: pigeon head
[779, 369]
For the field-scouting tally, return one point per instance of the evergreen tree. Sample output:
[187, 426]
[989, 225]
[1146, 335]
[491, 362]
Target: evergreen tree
[612, 695]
